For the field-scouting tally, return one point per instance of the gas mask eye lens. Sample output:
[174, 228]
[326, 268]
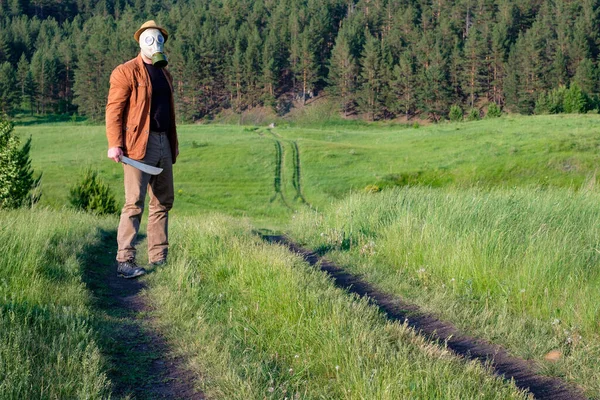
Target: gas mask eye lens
[149, 40]
[160, 39]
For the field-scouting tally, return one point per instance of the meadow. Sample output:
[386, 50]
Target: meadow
[491, 225]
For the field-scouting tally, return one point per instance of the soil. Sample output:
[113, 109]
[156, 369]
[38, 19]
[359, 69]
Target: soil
[141, 364]
[523, 372]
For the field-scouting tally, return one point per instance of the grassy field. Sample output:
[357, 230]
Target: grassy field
[540, 151]
[492, 225]
[232, 169]
[48, 347]
[517, 267]
[263, 325]
[221, 168]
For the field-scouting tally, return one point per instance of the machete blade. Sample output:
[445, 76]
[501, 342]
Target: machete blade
[149, 169]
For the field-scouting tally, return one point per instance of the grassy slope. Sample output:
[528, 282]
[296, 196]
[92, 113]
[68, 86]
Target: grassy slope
[258, 323]
[47, 341]
[518, 267]
[231, 168]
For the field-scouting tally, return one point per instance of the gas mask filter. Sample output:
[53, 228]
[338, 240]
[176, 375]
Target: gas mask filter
[152, 45]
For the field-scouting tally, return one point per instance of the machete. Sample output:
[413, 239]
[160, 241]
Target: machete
[149, 169]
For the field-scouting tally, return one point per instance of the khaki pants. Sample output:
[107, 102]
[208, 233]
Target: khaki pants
[158, 154]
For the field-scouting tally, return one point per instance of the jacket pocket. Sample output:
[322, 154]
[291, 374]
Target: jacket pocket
[130, 136]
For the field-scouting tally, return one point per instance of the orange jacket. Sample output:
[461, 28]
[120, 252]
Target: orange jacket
[128, 109]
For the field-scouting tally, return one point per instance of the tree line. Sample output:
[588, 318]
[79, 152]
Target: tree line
[377, 58]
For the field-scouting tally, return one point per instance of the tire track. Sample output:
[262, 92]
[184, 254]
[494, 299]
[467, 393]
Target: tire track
[280, 166]
[278, 178]
[297, 175]
[509, 367]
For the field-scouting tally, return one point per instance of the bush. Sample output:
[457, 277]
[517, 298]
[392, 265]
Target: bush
[18, 187]
[562, 100]
[93, 195]
[575, 100]
[455, 114]
[493, 111]
[473, 115]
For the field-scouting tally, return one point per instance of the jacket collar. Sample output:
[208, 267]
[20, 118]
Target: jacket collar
[139, 61]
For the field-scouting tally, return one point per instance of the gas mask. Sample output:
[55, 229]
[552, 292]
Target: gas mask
[152, 43]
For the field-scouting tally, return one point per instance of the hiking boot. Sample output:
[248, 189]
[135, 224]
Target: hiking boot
[129, 269]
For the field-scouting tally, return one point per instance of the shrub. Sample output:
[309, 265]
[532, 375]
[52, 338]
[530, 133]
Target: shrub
[93, 195]
[493, 111]
[18, 187]
[455, 114]
[542, 105]
[473, 115]
[575, 100]
[563, 100]
[551, 102]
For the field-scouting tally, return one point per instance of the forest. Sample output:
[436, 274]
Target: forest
[377, 59]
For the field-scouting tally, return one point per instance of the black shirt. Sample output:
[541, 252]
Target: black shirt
[160, 109]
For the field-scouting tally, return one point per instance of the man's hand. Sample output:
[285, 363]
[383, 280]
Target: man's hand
[115, 153]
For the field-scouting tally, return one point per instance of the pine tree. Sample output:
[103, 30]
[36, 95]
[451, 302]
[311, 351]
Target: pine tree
[270, 68]
[9, 90]
[22, 72]
[95, 65]
[474, 68]
[307, 73]
[342, 74]
[455, 71]
[30, 91]
[435, 94]
[512, 81]
[498, 55]
[586, 76]
[18, 187]
[559, 71]
[370, 80]
[252, 67]
[236, 76]
[5, 41]
[404, 84]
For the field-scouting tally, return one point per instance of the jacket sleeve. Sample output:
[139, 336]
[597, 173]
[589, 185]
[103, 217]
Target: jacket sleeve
[118, 98]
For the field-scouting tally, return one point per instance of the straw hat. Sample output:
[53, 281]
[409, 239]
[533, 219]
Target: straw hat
[148, 25]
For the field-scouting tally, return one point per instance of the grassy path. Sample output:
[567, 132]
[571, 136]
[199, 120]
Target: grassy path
[505, 365]
[140, 363]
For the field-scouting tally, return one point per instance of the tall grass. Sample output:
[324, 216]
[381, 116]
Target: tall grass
[519, 267]
[259, 323]
[47, 347]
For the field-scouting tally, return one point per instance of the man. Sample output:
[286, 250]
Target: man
[140, 124]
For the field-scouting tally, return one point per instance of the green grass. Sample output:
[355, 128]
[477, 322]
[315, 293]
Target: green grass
[518, 267]
[231, 169]
[496, 231]
[48, 345]
[221, 168]
[259, 323]
[542, 151]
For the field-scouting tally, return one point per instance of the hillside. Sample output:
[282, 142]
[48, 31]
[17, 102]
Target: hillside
[377, 59]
